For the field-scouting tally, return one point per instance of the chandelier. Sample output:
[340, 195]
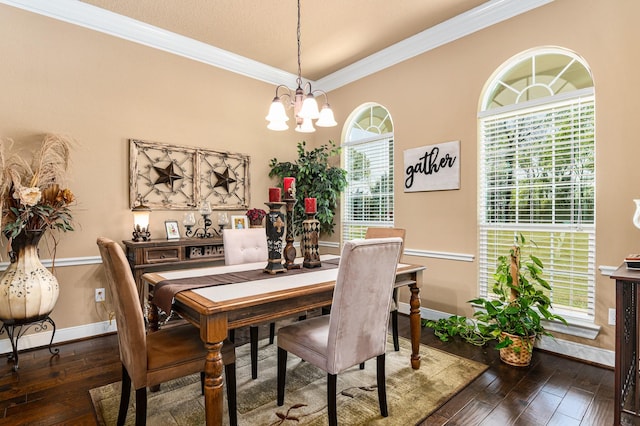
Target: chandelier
[305, 106]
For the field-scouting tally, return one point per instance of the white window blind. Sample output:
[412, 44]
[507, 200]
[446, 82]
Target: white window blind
[368, 199]
[537, 177]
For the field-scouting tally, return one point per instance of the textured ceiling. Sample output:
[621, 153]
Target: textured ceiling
[334, 33]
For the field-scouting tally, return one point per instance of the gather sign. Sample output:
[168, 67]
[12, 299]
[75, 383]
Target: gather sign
[432, 167]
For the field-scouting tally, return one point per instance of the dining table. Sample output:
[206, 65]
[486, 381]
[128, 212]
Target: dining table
[222, 298]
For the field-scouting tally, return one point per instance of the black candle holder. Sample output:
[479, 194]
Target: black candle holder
[274, 227]
[206, 232]
[310, 238]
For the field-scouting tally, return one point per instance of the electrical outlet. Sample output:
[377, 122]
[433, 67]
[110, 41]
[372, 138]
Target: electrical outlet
[99, 294]
[612, 316]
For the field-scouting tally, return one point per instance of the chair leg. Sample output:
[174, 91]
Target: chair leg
[232, 336]
[253, 337]
[282, 374]
[332, 385]
[394, 321]
[141, 406]
[394, 330]
[362, 366]
[272, 332]
[382, 387]
[125, 394]
[230, 379]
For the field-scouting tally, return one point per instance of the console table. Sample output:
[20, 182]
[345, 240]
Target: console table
[158, 255]
[627, 393]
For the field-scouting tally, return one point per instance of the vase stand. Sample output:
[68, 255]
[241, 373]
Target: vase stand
[17, 328]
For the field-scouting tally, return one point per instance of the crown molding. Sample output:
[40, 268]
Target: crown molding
[483, 16]
[104, 21]
[97, 19]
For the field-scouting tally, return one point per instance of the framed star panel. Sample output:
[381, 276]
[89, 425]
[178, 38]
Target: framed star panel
[173, 177]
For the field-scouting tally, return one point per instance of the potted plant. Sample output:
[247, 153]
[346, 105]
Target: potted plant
[32, 201]
[513, 317]
[255, 217]
[315, 177]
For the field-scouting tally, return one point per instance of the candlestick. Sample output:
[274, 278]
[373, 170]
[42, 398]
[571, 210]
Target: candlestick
[289, 250]
[275, 227]
[290, 187]
[274, 195]
[310, 206]
[310, 237]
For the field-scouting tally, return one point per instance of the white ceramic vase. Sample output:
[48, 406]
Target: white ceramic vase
[28, 290]
[636, 214]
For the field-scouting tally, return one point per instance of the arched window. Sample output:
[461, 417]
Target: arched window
[537, 172]
[368, 158]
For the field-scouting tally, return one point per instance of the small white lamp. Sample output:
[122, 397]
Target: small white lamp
[141, 223]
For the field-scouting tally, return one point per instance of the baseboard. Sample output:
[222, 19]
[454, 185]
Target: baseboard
[579, 351]
[43, 338]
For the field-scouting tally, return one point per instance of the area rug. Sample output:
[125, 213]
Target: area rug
[411, 394]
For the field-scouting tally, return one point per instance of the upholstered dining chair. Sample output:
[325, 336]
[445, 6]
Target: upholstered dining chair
[248, 246]
[150, 359]
[374, 232]
[356, 328]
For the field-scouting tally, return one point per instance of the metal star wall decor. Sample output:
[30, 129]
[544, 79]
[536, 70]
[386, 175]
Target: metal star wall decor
[223, 179]
[167, 175]
[174, 177]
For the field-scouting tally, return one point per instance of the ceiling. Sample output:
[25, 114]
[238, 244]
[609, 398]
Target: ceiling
[334, 33]
[342, 40]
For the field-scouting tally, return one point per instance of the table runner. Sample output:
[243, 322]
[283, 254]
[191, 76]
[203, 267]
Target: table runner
[165, 291]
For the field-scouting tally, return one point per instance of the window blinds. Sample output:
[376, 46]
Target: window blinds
[368, 198]
[538, 177]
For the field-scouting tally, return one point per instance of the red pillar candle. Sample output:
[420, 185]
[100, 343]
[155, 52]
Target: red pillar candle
[310, 205]
[274, 195]
[290, 187]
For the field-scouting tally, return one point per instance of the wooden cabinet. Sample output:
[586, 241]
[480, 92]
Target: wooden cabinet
[158, 255]
[627, 376]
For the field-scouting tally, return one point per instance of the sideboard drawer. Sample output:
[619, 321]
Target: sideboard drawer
[159, 255]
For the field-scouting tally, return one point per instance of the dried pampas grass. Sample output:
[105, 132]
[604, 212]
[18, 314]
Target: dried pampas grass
[47, 168]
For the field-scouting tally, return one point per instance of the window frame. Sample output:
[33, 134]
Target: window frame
[356, 221]
[582, 96]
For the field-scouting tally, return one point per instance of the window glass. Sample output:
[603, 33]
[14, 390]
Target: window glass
[537, 173]
[368, 159]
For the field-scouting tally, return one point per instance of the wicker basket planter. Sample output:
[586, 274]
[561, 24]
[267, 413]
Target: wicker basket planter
[519, 352]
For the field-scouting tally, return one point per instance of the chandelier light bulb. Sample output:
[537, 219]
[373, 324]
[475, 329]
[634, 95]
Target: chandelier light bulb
[309, 108]
[276, 111]
[306, 126]
[326, 117]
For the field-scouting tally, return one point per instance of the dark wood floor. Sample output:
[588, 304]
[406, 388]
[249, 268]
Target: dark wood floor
[50, 390]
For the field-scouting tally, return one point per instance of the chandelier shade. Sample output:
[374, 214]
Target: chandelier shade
[302, 101]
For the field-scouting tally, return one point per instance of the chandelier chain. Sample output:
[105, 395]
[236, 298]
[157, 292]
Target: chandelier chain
[299, 49]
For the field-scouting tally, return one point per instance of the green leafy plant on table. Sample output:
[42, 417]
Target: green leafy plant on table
[514, 316]
[315, 177]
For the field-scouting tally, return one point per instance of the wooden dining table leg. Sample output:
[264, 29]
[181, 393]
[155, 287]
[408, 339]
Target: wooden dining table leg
[414, 322]
[213, 383]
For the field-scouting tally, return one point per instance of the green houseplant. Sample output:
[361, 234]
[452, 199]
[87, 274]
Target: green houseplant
[315, 177]
[514, 316]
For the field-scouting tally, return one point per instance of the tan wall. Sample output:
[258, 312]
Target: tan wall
[103, 90]
[434, 98]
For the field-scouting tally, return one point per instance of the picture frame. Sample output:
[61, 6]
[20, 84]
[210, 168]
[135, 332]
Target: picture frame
[171, 227]
[239, 222]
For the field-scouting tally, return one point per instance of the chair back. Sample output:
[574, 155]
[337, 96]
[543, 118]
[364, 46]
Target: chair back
[245, 245]
[129, 318]
[377, 232]
[361, 301]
